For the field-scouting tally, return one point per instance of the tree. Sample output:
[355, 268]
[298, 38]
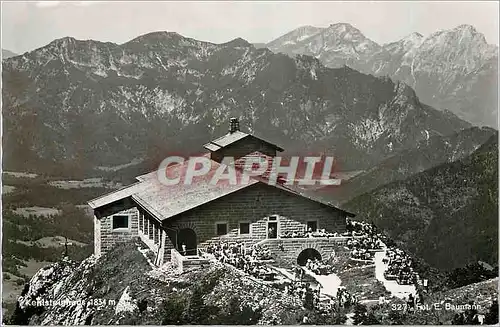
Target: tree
[309, 300]
[239, 316]
[396, 317]
[360, 313]
[173, 310]
[196, 311]
[468, 317]
[491, 318]
[371, 319]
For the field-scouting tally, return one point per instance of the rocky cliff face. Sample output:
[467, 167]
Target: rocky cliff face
[87, 103]
[123, 288]
[453, 69]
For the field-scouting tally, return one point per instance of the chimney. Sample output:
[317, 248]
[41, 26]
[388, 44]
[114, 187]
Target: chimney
[234, 125]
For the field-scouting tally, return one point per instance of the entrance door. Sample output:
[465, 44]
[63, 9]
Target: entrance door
[308, 254]
[312, 225]
[272, 230]
[187, 237]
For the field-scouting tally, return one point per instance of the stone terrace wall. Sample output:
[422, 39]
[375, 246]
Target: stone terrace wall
[292, 247]
[184, 264]
[255, 204]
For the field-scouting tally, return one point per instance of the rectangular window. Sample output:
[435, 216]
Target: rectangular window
[272, 229]
[120, 221]
[244, 228]
[221, 229]
[312, 225]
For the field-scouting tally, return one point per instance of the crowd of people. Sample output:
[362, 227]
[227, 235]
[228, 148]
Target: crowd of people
[344, 298]
[367, 242]
[318, 267]
[399, 267]
[358, 228]
[302, 289]
[364, 248]
[249, 261]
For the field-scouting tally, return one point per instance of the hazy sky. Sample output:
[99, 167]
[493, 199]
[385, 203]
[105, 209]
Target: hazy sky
[29, 25]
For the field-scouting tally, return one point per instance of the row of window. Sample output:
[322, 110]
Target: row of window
[221, 228]
[244, 228]
[122, 222]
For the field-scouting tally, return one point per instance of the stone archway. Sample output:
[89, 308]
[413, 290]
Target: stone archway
[306, 254]
[188, 237]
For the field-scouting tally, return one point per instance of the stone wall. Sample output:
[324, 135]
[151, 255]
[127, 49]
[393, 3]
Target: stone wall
[110, 237]
[286, 251]
[255, 204]
[184, 264]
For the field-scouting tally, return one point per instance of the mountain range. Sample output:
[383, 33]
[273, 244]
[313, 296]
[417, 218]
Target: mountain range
[7, 54]
[452, 69]
[80, 104]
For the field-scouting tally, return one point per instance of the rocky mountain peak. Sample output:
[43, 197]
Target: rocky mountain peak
[459, 37]
[156, 37]
[346, 32]
[343, 27]
[62, 42]
[414, 37]
[7, 54]
[292, 38]
[238, 42]
[406, 45]
[466, 28]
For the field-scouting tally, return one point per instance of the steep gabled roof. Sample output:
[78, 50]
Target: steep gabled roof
[114, 196]
[166, 201]
[231, 138]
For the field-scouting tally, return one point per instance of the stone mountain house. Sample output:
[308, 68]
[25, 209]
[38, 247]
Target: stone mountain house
[170, 219]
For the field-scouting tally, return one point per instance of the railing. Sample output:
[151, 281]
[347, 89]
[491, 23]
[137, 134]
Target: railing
[149, 242]
[305, 239]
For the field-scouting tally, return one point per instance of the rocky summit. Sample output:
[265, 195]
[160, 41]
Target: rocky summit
[123, 288]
